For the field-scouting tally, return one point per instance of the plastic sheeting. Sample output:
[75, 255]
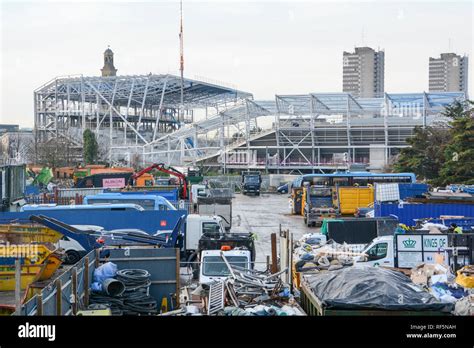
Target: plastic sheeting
[372, 288]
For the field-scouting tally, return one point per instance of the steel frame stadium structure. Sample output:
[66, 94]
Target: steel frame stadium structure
[293, 133]
[327, 131]
[317, 131]
[123, 110]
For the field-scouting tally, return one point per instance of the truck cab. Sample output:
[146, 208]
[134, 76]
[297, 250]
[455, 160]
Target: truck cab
[405, 250]
[317, 201]
[198, 225]
[198, 190]
[251, 182]
[213, 267]
[379, 252]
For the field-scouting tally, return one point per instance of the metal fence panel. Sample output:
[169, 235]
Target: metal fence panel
[49, 292]
[72, 192]
[162, 264]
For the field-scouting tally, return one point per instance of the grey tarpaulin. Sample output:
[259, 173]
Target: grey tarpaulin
[372, 287]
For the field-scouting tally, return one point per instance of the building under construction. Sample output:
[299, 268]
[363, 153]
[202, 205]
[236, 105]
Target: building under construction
[123, 110]
[141, 120]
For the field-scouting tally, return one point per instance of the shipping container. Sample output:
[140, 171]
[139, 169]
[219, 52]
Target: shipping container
[408, 213]
[106, 180]
[412, 190]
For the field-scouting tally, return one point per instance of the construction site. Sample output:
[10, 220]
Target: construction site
[159, 195]
[139, 119]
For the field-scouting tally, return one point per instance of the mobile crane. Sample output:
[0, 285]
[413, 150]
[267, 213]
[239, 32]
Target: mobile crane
[164, 169]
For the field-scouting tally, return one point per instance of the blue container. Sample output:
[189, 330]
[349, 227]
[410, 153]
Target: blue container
[412, 190]
[150, 221]
[408, 213]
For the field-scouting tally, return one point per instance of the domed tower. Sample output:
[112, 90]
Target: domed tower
[108, 69]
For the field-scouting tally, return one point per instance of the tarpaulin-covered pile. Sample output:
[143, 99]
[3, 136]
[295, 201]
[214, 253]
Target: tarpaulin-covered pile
[372, 288]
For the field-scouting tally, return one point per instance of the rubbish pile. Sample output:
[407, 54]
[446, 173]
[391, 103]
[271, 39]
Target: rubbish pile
[254, 293]
[427, 274]
[125, 292]
[314, 254]
[246, 292]
[439, 281]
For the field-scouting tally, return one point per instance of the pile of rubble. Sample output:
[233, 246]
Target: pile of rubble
[313, 254]
[246, 292]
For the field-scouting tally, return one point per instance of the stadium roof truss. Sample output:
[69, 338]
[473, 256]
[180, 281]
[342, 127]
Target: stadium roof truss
[142, 115]
[304, 121]
[142, 107]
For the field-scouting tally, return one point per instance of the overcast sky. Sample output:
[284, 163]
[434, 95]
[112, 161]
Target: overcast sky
[262, 47]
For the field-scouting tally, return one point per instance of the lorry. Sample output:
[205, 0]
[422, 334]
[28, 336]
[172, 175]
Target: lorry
[251, 182]
[219, 206]
[203, 232]
[161, 167]
[318, 204]
[410, 250]
[197, 191]
[213, 268]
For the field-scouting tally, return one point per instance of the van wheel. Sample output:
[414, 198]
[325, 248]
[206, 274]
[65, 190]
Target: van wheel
[72, 257]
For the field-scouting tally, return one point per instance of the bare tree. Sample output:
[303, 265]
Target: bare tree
[54, 153]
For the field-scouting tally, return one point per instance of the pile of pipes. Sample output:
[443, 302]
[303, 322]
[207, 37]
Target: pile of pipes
[251, 292]
[125, 292]
[315, 254]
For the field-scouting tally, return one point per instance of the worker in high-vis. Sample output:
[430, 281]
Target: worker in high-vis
[455, 228]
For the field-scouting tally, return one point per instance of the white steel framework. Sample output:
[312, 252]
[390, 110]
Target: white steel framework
[327, 131]
[138, 116]
[123, 110]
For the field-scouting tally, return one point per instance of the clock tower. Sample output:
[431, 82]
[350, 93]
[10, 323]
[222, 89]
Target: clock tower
[108, 69]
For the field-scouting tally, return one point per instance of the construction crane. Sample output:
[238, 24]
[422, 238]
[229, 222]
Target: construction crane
[181, 62]
[164, 169]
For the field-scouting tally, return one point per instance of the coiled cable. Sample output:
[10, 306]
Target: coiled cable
[135, 300]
